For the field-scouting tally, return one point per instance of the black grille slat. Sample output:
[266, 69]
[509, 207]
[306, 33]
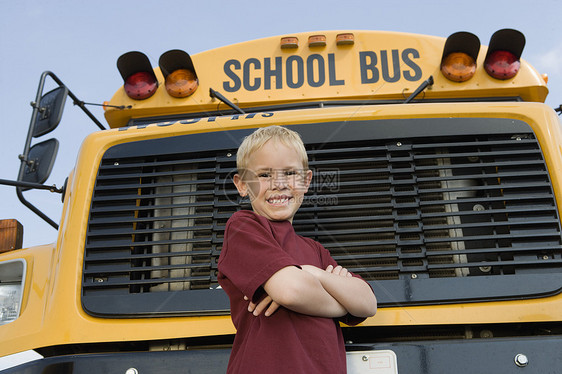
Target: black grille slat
[140, 282]
[494, 211]
[530, 235]
[483, 188]
[152, 185]
[450, 207]
[137, 175]
[125, 208]
[127, 269]
[433, 156]
[528, 222]
[111, 220]
[114, 244]
[512, 198]
[556, 263]
[109, 232]
[117, 198]
[107, 257]
[490, 250]
[488, 176]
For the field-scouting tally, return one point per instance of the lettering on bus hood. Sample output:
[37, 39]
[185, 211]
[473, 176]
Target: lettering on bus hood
[316, 70]
[191, 121]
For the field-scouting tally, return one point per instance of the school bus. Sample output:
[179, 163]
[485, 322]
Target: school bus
[437, 178]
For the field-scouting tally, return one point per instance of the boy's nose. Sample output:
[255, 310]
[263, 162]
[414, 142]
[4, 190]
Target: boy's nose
[280, 180]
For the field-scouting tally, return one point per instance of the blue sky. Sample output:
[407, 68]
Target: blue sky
[80, 42]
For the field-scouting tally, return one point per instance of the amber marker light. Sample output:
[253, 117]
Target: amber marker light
[11, 235]
[181, 83]
[458, 61]
[458, 67]
[345, 39]
[317, 41]
[179, 73]
[289, 42]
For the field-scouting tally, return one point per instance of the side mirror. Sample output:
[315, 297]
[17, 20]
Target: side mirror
[37, 161]
[50, 110]
[40, 162]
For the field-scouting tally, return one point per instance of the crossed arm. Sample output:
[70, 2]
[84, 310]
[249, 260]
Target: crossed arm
[324, 293]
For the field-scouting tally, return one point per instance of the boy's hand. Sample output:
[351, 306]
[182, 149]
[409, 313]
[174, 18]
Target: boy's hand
[266, 302]
[338, 270]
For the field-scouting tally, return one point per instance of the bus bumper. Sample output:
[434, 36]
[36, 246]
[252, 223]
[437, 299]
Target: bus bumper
[497, 355]
[539, 354]
[196, 361]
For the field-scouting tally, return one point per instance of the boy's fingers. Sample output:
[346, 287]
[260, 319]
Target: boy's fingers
[251, 307]
[264, 303]
[337, 270]
[271, 309]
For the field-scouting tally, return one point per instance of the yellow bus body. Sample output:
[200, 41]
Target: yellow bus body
[52, 314]
[346, 76]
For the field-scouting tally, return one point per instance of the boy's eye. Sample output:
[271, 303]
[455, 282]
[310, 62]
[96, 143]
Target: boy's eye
[290, 172]
[264, 175]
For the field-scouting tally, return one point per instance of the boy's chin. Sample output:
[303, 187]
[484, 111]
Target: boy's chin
[277, 216]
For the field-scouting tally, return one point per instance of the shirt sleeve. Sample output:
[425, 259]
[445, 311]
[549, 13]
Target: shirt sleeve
[251, 255]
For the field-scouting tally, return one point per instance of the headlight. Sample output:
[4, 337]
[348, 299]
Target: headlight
[12, 276]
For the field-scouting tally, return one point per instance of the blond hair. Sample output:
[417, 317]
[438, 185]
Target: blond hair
[258, 138]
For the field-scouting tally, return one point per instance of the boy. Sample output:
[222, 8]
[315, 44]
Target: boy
[286, 292]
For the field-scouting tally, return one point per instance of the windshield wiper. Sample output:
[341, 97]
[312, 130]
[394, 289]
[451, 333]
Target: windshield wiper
[219, 96]
[423, 86]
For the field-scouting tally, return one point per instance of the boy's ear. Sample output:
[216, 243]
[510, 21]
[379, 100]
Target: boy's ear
[307, 179]
[241, 186]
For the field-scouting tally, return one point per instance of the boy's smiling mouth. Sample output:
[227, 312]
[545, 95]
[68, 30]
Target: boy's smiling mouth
[279, 199]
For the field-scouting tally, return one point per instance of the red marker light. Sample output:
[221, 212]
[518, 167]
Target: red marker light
[502, 64]
[141, 85]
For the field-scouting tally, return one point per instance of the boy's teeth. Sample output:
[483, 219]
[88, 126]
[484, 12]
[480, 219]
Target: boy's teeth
[278, 201]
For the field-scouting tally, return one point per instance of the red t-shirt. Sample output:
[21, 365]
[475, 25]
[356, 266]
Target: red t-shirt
[286, 342]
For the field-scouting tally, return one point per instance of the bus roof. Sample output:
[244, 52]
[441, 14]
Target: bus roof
[322, 67]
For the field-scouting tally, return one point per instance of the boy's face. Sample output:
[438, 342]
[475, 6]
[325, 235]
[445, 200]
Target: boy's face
[275, 181]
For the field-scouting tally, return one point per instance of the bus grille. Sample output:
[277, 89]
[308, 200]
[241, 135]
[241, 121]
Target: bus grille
[423, 213]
